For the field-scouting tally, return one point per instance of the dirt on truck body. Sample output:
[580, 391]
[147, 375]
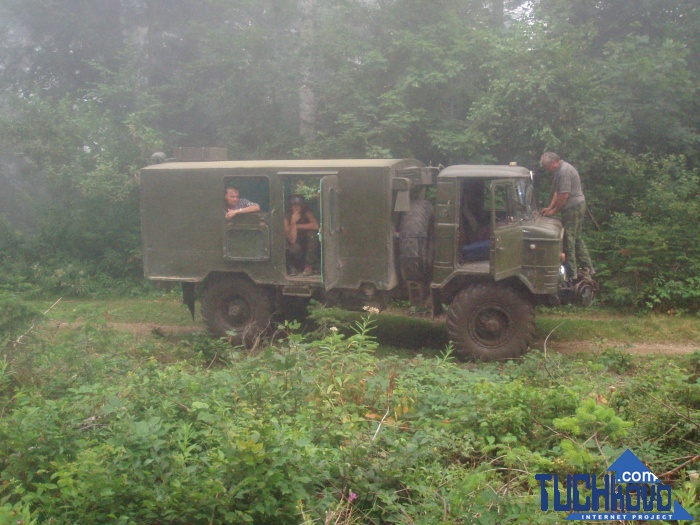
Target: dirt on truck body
[480, 248]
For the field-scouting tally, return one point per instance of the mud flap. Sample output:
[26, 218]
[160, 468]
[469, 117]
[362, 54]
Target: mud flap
[188, 296]
[436, 300]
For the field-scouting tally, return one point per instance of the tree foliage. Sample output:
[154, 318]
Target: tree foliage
[656, 249]
[92, 88]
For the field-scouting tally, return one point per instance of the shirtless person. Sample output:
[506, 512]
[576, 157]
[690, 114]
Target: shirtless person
[301, 228]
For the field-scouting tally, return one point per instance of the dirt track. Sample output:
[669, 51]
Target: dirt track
[562, 347]
[575, 347]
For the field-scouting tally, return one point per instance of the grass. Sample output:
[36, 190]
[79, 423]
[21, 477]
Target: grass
[412, 334]
[577, 325]
[165, 310]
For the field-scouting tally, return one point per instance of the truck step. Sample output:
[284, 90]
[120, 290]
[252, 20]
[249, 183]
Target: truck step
[297, 290]
[417, 293]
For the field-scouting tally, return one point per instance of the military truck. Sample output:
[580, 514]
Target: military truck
[481, 250]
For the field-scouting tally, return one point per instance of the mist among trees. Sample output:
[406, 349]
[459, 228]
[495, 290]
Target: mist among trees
[91, 88]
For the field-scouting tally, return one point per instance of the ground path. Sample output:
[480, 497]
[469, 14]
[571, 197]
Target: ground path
[575, 347]
[562, 347]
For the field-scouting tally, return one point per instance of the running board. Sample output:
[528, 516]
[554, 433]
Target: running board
[297, 290]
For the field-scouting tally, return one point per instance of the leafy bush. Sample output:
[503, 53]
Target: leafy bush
[15, 315]
[653, 253]
[101, 426]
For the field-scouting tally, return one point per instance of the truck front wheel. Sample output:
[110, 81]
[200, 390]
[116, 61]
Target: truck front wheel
[236, 305]
[489, 321]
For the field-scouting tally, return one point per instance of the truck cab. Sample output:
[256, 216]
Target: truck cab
[495, 258]
[487, 227]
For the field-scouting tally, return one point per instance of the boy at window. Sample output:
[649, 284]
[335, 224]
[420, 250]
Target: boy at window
[234, 205]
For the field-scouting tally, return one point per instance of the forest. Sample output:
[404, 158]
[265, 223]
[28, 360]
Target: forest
[90, 89]
[333, 422]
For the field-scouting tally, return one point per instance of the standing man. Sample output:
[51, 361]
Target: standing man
[568, 198]
[234, 205]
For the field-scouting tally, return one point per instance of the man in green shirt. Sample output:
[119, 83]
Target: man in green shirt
[568, 198]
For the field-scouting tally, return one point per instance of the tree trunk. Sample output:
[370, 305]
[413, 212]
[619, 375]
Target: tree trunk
[497, 8]
[308, 106]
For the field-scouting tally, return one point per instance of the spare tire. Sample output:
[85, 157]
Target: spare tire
[417, 242]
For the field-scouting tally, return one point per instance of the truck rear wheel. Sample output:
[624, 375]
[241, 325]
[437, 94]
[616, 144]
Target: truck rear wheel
[488, 322]
[236, 305]
[417, 242]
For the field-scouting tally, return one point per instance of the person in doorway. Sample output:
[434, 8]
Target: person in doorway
[568, 198]
[301, 228]
[475, 220]
[475, 231]
[235, 205]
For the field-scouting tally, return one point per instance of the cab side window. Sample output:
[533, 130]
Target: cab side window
[505, 208]
[475, 219]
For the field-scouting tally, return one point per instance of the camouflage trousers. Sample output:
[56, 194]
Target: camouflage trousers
[575, 249]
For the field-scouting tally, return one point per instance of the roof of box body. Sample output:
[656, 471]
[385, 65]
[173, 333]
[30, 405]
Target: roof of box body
[486, 172]
[284, 165]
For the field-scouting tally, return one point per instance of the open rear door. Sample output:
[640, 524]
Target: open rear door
[331, 265]
[506, 231]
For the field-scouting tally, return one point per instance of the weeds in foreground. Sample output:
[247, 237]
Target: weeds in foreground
[97, 426]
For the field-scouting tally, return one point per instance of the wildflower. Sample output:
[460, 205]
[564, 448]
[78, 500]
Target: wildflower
[334, 329]
[352, 497]
[371, 309]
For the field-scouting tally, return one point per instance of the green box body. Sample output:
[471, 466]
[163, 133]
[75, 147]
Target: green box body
[186, 237]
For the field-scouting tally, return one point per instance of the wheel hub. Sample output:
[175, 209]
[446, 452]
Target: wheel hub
[491, 324]
[238, 311]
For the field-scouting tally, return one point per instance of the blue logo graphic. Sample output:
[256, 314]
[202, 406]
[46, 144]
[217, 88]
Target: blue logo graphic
[627, 491]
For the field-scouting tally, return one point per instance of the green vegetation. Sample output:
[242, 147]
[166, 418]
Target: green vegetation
[87, 99]
[15, 315]
[104, 425]
[570, 324]
[101, 426]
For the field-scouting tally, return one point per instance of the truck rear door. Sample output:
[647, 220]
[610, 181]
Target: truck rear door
[331, 265]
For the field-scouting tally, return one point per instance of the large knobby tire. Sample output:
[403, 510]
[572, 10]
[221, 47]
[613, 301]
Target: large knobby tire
[417, 242]
[236, 305]
[489, 322]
